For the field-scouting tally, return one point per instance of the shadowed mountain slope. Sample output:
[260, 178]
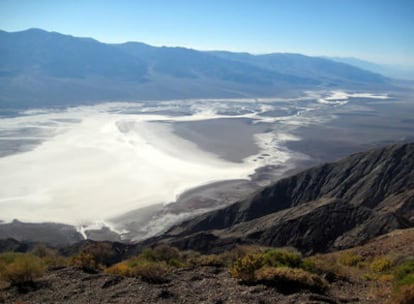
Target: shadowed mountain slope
[333, 206]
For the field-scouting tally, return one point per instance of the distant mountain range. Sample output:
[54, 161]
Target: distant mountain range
[39, 68]
[389, 70]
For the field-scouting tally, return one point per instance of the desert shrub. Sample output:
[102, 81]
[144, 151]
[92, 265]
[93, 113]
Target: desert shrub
[121, 269]
[241, 251]
[155, 272]
[93, 257]
[244, 268]
[407, 280]
[216, 260]
[152, 265]
[405, 295]
[381, 264]
[163, 253]
[190, 256]
[386, 277]
[149, 271]
[86, 261]
[349, 258]
[369, 276]
[42, 251]
[404, 273]
[50, 256]
[290, 280]
[148, 254]
[101, 252]
[329, 266]
[282, 257]
[309, 264]
[19, 268]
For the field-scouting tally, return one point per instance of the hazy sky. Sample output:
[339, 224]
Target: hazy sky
[377, 30]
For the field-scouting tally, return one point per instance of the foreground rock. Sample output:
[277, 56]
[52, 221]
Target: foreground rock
[209, 284]
[192, 285]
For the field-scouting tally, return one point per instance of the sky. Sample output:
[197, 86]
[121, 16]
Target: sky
[380, 31]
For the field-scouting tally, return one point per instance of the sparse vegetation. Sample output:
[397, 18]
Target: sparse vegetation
[92, 257]
[281, 268]
[404, 273]
[390, 277]
[20, 268]
[152, 272]
[245, 268]
[381, 264]
[152, 265]
[282, 257]
[349, 258]
[216, 260]
[50, 257]
[290, 280]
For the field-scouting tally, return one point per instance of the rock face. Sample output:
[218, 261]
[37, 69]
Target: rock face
[333, 206]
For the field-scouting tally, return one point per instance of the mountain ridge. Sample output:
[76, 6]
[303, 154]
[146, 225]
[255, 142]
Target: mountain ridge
[357, 198]
[40, 68]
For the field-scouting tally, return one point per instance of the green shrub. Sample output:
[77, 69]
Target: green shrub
[349, 258]
[290, 280]
[86, 261]
[404, 273]
[380, 264]
[282, 257]
[309, 264]
[148, 254]
[166, 253]
[19, 268]
[152, 265]
[244, 268]
[155, 272]
[163, 253]
[216, 260]
[121, 269]
[93, 256]
[190, 257]
[50, 256]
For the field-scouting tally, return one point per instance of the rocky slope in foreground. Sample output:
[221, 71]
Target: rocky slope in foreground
[330, 207]
[214, 284]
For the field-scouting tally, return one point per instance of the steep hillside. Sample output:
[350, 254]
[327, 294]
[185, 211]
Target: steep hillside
[333, 206]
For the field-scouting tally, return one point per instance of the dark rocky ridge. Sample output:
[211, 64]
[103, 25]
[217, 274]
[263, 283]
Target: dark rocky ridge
[333, 206]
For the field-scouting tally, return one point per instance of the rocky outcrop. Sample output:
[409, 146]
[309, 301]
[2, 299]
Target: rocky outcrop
[333, 206]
